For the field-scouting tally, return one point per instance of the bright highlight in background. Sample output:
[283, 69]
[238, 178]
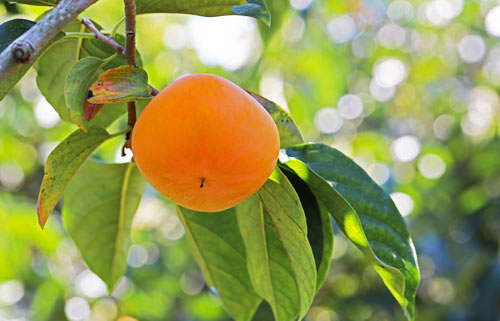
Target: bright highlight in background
[492, 22]
[471, 48]
[11, 292]
[45, 115]
[405, 148]
[403, 202]
[328, 120]
[229, 42]
[389, 72]
[350, 106]
[431, 166]
[77, 309]
[341, 29]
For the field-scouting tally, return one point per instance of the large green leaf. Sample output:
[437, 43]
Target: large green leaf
[219, 250]
[319, 226]
[54, 65]
[208, 8]
[365, 213]
[289, 132]
[279, 258]
[98, 208]
[63, 163]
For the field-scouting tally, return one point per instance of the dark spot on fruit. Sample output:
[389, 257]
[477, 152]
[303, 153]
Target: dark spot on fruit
[202, 182]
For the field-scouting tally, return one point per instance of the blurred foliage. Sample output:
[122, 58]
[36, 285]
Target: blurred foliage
[409, 89]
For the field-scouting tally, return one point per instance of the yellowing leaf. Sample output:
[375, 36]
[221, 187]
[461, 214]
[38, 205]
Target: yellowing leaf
[120, 85]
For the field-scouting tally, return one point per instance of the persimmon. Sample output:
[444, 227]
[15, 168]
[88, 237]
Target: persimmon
[205, 143]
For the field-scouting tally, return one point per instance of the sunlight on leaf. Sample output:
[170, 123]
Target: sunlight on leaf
[365, 213]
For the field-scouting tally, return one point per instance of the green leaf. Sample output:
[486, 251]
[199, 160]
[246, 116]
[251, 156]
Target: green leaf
[10, 31]
[62, 164]
[78, 81]
[218, 248]
[279, 257]
[98, 208]
[319, 226]
[55, 64]
[13, 29]
[120, 85]
[211, 8]
[51, 3]
[365, 213]
[289, 132]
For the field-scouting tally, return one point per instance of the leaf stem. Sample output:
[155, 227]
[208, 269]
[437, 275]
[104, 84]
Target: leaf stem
[121, 132]
[116, 26]
[86, 35]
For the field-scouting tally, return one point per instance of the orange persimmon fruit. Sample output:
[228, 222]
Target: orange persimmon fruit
[205, 144]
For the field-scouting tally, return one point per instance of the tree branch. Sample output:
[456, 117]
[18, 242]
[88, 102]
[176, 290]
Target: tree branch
[27, 46]
[131, 59]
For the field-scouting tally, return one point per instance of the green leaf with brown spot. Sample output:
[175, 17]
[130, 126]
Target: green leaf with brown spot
[63, 163]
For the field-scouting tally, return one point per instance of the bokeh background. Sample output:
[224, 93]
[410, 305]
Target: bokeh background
[409, 89]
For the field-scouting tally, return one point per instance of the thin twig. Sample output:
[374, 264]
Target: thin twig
[25, 48]
[99, 35]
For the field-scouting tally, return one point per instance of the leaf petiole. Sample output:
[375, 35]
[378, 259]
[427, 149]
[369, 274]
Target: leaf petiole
[122, 132]
[86, 35]
[116, 26]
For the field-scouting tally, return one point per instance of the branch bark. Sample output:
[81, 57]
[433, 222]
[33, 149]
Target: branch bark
[131, 59]
[130, 50]
[27, 46]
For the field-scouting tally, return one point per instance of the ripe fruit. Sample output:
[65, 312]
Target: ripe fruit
[205, 144]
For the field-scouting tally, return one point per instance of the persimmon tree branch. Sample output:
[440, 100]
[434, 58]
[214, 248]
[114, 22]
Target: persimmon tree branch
[26, 47]
[131, 60]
